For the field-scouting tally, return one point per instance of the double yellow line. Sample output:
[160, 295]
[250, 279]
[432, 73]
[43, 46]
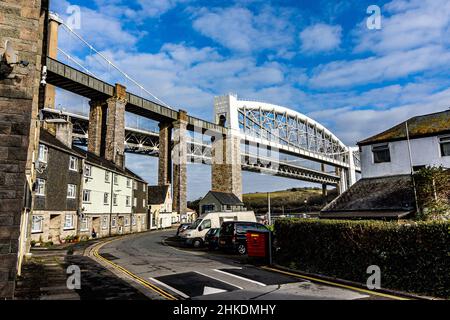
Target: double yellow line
[335, 284]
[141, 281]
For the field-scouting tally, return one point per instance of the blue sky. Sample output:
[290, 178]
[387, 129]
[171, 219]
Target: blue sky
[317, 57]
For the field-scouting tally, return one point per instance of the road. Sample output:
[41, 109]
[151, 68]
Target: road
[197, 274]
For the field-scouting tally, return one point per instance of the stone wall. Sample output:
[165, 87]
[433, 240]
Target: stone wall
[21, 23]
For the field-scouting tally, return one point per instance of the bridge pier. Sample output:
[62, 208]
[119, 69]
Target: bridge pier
[179, 164]
[165, 156]
[226, 164]
[96, 125]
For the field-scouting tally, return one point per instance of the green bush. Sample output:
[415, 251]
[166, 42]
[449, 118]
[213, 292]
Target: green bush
[413, 256]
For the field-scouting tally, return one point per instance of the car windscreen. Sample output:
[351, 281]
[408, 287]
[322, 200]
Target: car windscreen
[195, 224]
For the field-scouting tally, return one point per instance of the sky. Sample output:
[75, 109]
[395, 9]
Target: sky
[319, 58]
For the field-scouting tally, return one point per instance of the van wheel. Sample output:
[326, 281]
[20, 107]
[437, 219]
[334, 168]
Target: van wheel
[197, 243]
[241, 249]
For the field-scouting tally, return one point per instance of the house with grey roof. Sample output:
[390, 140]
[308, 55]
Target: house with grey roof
[215, 201]
[388, 159]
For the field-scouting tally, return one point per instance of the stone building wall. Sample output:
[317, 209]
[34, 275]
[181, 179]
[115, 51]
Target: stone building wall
[22, 24]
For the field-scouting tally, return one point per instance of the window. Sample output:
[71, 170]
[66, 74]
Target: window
[127, 222]
[106, 198]
[88, 171]
[127, 201]
[71, 191]
[84, 224]
[135, 202]
[107, 177]
[40, 188]
[128, 183]
[143, 187]
[36, 224]
[43, 153]
[86, 196]
[116, 179]
[68, 221]
[143, 221]
[113, 222]
[115, 199]
[73, 163]
[207, 208]
[206, 224]
[134, 185]
[133, 220]
[445, 146]
[381, 153]
[104, 222]
[143, 203]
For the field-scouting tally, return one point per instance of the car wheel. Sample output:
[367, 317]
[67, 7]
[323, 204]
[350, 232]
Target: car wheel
[197, 243]
[241, 249]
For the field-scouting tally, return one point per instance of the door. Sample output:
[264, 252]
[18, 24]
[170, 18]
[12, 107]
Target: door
[55, 228]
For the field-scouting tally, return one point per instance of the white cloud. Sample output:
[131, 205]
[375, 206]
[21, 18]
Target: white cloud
[242, 30]
[320, 37]
[379, 69]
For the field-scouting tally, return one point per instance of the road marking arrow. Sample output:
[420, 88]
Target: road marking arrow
[210, 290]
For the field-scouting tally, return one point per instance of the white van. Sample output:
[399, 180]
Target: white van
[195, 234]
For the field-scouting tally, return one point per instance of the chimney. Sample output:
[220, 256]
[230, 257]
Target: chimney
[63, 130]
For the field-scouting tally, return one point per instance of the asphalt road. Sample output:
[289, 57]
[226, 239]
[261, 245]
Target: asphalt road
[193, 274]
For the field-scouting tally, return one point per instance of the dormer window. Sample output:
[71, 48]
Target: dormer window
[381, 153]
[445, 146]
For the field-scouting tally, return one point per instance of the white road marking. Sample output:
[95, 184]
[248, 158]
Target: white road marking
[210, 290]
[242, 278]
[170, 288]
[219, 280]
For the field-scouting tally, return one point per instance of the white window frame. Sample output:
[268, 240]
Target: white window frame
[443, 140]
[113, 222]
[135, 202]
[143, 203]
[88, 170]
[86, 196]
[73, 163]
[43, 153]
[133, 220]
[127, 201]
[72, 187]
[107, 177]
[143, 187]
[66, 225]
[104, 222]
[115, 179]
[128, 183]
[106, 197]
[126, 222]
[387, 146]
[41, 187]
[37, 219]
[115, 199]
[84, 221]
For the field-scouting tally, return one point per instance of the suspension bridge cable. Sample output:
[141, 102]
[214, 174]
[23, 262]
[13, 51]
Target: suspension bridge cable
[113, 65]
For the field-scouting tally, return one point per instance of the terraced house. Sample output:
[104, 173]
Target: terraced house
[80, 194]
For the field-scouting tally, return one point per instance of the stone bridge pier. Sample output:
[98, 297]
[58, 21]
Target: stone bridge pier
[107, 127]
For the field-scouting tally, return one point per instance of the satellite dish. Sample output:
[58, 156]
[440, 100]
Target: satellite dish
[10, 55]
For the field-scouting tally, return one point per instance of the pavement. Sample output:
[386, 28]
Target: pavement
[183, 273]
[44, 277]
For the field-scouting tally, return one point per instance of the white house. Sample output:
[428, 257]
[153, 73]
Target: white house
[110, 201]
[392, 153]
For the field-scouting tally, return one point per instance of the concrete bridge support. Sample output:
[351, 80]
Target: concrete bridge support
[23, 27]
[226, 164]
[179, 164]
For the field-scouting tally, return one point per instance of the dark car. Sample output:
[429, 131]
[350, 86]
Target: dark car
[183, 227]
[212, 238]
[233, 235]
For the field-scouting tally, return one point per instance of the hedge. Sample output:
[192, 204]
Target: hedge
[413, 257]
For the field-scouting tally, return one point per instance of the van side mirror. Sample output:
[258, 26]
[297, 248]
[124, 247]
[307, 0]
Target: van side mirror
[200, 228]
